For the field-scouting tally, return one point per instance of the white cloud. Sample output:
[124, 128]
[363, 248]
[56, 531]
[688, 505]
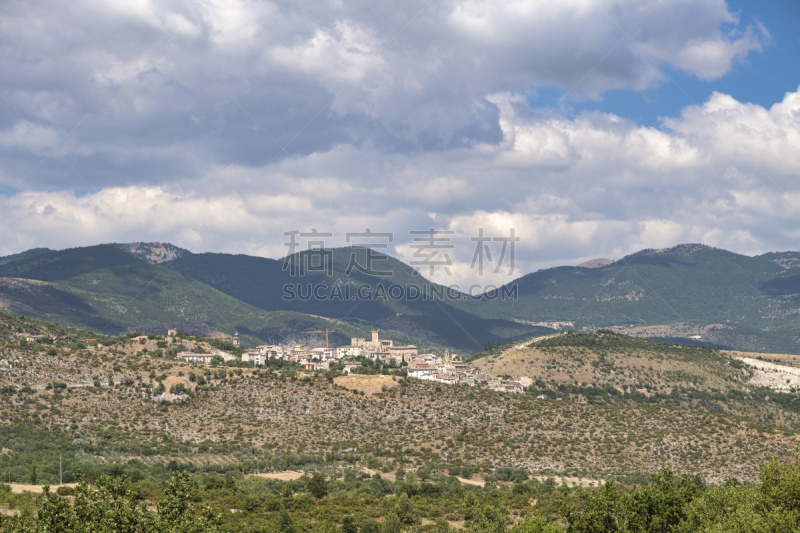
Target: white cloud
[34, 138]
[628, 187]
[227, 80]
[345, 55]
[711, 59]
[257, 118]
[748, 134]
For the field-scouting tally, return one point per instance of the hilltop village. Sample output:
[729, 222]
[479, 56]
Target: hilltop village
[430, 367]
[448, 369]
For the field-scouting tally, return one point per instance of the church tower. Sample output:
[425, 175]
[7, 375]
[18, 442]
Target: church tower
[236, 339]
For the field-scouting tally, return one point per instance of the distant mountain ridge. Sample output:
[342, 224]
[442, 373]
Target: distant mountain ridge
[786, 260]
[109, 290]
[263, 283]
[754, 302]
[694, 292]
[24, 255]
[152, 252]
[596, 263]
[104, 289]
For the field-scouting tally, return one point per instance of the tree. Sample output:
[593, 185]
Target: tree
[176, 515]
[489, 520]
[442, 526]
[285, 522]
[392, 524]
[537, 524]
[369, 526]
[424, 473]
[325, 527]
[594, 512]
[469, 506]
[404, 509]
[55, 513]
[108, 505]
[287, 495]
[780, 484]
[349, 525]
[317, 485]
[660, 506]
[730, 507]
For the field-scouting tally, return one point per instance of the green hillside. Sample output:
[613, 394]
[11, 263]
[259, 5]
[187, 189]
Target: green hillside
[690, 294]
[24, 255]
[104, 289]
[11, 324]
[262, 283]
[751, 303]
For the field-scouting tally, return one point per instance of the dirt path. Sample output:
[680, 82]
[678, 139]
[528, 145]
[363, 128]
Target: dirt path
[539, 339]
[291, 475]
[288, 475]
[36, 489]
[571, 481]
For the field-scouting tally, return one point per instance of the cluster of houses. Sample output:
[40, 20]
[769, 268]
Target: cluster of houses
[430, 367]
[321, 358]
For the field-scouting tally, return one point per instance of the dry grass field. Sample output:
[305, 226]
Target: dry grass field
[367, 384]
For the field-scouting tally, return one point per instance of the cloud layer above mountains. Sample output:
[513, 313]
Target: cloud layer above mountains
[221, 125]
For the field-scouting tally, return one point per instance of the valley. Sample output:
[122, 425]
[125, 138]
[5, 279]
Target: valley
[100, 382]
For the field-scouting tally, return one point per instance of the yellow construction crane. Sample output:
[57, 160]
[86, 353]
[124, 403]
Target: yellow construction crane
[326, 331]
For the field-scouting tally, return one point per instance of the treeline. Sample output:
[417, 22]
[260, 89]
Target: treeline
[603, 341]
[683, 505]
[12, 324]
[110, 505]
[360, 503]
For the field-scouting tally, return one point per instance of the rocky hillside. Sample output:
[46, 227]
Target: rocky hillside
[153, 252]
[605, 367]
[125, 398]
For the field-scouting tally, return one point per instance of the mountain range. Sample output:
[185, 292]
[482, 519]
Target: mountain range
[690, 293]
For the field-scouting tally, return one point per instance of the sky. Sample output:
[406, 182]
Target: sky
[523, 134]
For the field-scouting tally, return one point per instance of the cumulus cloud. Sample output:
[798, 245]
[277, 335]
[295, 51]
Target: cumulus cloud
[152, 92]
[221, 125]
[720, 173]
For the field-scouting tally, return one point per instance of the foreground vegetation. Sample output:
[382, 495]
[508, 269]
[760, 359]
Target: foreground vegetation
[163, 445]
[365, 504]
